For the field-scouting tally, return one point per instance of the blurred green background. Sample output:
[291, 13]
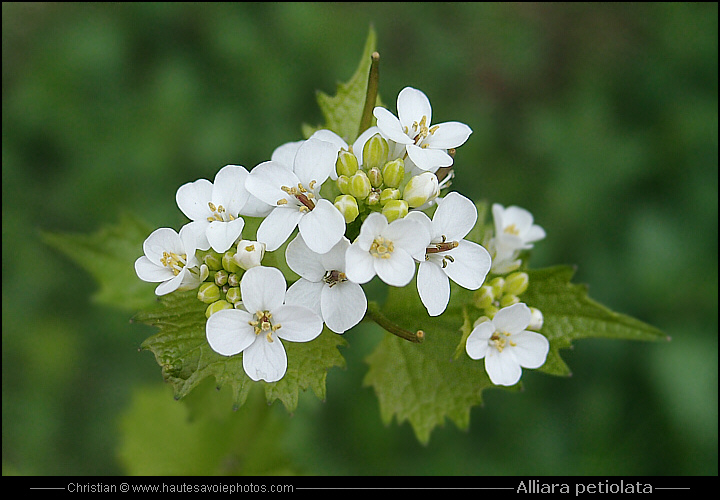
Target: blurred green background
[601, 119]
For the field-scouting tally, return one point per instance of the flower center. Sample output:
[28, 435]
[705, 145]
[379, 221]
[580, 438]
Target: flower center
[263, 324]
[512, 229]
[442, 246]
[381, 248]
[332, 278]
[174, 261]
[301, 194]
[219, 213]
[421, 131]
[500, 339]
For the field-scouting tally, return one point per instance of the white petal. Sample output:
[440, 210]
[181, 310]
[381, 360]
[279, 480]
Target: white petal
[423, 219]
[455, 217]
[265, 182]
[334, 260]
[196, 232]
[297, 323]
[398, 270]
[285, 154]
[477, 345]
[229, 189]
[264, 360]
[373, 226]
[448, 135]
[471, 265]
[169, 286]
[189, 242]
[160, 241]
[262, 289]
[314, 161]
[412, 105]
[255, 207]
[304, 261]
[408, 234]
[192, 199]
[502, 368]
[343, 306]
[151, 272]
[277, 227]
[535, 233]
[433, 287]
[359, 264]
[428, 159]
[322, 227]
[531, 349]
[390, 126]
[305, 293]
[512, 319]
[331, 137]
[222, 235]
[228, 331]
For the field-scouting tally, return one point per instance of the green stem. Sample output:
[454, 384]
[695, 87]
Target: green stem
[373, 312]
[372, 92]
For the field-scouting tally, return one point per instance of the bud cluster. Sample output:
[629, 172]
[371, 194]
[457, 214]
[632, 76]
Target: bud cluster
[502, 292]
[221, 289]
[380, 183]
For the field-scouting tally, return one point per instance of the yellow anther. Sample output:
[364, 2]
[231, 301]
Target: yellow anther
[312, 184]
[512, 229]
[250, 248]
[282, 201]
[212, 206]
[381, 248]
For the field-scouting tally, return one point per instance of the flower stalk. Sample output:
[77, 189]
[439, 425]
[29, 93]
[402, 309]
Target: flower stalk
[373, 312]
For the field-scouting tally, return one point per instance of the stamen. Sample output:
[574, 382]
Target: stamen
[381, 248]
[334, 277]
[512, 229]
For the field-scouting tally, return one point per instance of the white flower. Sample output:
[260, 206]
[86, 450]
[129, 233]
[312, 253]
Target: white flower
[170, 259]
[514, 232]
[215, 208]
[294, 194]
[324, 286]
[257, 334]
[386, 249]
[425, 144]
[448, 255]
[507, 346]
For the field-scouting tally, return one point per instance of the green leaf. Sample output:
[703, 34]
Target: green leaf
[181, 349]
[425, 383]
[199, 437]
[569, 314]
[108, 255]
[343, 111]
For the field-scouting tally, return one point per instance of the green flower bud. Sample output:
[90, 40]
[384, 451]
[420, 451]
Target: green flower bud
[395, 209]
[421, 189]
[375, 152]
[228, 262]
[491, 311]
[233, 295]
[217, 306]
[233, 280]
[508, 299]
[208, 293]
[375, 177]
[388, 194]
[348, 207]
[347, 163]
[484, 297]
[359, 185]
[498, 285]
[516, 283]
[221, 277]
[213, 260]
[394, 172]
[343, 183]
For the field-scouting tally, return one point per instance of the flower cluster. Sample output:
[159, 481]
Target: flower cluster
[346, 213]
